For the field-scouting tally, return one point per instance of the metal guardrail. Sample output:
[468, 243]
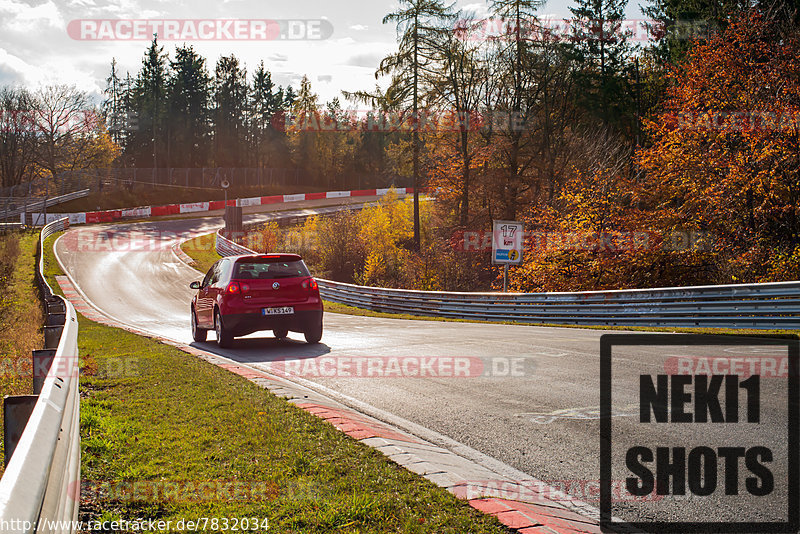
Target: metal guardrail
[40, 489]
[27, 205]
[759, 306]
[226, 247]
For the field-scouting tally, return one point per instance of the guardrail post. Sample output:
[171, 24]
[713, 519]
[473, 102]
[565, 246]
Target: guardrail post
[42, 361]
[52, 335]
[56, 319]
[56, 306]
[16, 412]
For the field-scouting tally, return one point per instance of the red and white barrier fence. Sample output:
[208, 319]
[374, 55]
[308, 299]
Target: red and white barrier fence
[144, 212]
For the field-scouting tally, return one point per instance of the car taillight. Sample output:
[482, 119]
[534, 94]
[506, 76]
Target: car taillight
[233, 288]
[310, 284]
[245, 288]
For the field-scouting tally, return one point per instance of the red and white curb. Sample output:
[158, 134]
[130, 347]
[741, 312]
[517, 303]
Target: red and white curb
[545, 511]
[178, 251]
[144, 212]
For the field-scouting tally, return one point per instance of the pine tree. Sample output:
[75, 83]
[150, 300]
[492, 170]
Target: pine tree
[230, 112]
[262, 96]
[679, 24]
[600, 49]
[148, 102]
[418, 23]
[113, 103]
[306, 100]
[288, 97]
[305, 110]
[189, 96]
[264, 103]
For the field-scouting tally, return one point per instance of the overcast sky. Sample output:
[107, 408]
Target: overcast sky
[36, 48]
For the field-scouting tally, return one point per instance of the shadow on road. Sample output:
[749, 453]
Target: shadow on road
[266, 349]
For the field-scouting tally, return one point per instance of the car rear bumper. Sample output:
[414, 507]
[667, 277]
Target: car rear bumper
[241, 324]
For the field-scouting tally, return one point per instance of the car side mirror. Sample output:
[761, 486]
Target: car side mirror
[194, 285]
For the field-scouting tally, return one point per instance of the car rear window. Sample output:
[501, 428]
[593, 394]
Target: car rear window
[266, 269]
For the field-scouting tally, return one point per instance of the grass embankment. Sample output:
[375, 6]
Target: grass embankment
[201, 250]
[166, 435]
[144, 195]
[21, 315]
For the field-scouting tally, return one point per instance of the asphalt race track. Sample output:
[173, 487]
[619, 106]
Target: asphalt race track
[527, 396]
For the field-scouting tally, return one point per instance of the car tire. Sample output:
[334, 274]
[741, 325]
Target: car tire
[281, 333]
[198, 334]
[224, 337]
[314, 334]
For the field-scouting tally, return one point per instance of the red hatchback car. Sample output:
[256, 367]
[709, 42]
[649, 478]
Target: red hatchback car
[245, 294]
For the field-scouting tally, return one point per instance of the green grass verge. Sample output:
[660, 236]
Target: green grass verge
[21, 316]
[157, 424]
[50, 265]
[201, 250]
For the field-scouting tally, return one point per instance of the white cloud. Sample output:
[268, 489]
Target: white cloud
[23, 73]
[478, 10]
[35, 48]
[368, 60]
[24, 18]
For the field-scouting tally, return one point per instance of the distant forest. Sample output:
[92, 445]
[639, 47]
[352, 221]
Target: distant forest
[689, 136]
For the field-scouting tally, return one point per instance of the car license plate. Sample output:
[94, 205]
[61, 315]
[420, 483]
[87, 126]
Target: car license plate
[284, 310]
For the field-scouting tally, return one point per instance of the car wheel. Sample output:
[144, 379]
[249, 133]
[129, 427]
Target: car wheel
[280, 333]
[224, 337]
[198, 334]
[314, 334]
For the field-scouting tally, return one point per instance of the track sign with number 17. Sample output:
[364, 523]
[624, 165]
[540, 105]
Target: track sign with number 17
[507, 241]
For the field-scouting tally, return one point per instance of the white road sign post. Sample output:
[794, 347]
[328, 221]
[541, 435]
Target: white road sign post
[507, 242]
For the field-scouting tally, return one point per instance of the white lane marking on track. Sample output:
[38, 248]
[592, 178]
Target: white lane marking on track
[174, 266]
[583, 413]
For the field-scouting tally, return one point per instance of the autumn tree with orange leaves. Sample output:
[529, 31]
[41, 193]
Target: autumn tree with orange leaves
[725, 157]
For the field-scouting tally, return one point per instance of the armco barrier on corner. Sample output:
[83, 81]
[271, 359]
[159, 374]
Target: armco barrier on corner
[194, 207]
[759, 306]
[40, 478]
